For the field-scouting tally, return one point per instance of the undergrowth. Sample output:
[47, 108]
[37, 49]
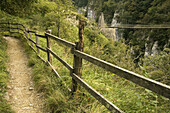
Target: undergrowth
[4, 76]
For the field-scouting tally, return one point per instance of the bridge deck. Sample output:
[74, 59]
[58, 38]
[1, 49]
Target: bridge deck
[138, 26]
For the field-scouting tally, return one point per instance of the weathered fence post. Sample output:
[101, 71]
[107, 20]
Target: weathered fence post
[18, 28]
[37, 41]
[26, 33]
[77, 60]
[31, 38]
[49, 56]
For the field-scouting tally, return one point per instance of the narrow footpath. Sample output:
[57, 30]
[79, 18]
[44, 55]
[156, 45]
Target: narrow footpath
[21, 94]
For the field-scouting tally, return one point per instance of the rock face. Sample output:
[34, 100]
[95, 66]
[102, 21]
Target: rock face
[113, 33]
[167, 45]
[118, 32]
[91, 15]
[115, 19]
[147, 53]
[101, 22]
[155, 50]
[90, 12]
[109, 32]
[151, 48]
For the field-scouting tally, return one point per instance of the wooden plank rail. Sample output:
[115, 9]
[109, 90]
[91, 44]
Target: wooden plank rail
[12, 28]
[41, 48]
[67, 43]
[98, 96]
[32, 41]
[150, 84]
[15, 24]
[37, 43]
[48, 39]
[42, 36]
[58, 76]
[18, 28]
[33, 48]
[61, 60]
[77, 51]
[41, 58]
[29, 31]
[13, 32]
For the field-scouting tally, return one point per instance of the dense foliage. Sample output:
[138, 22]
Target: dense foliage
[136, 12]
[150, 12]
[131, 11]
[17, 7]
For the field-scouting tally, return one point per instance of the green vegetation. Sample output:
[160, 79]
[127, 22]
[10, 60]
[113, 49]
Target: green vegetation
[135, 12]
[59, 16]
[158, 67]
[4, 76]
[17, 7]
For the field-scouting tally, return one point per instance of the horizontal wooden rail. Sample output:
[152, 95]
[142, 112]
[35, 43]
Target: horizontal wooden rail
[3, 23]
[41, 58]
[41, 48]
[15, 28]
[53, 69]
[33, 48]
[150, 84]
[13, 32]
[61, 60]
[98, 96]
[3, 27]
[32, 40]
[67, 43]
[26, 35]
[12, 28]
[20, 29]
[14, 24]
[42, 36]
[18, 24]
[58, 76]
[29, 31]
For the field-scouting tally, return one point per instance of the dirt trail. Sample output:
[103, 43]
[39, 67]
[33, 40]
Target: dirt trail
[21, 94]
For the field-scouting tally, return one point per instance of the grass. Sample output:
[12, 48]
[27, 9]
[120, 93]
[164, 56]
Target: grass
[126, 95]
[4, 77]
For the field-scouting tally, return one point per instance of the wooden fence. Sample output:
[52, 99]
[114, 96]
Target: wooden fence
[76, 70]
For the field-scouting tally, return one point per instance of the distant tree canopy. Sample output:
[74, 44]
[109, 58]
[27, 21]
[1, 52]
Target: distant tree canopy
[135, 12]
[131, 11]
[81, 3]
[16, 7]
[23, 8]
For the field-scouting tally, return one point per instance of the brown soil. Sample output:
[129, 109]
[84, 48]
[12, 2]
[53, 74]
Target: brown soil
[21, 94]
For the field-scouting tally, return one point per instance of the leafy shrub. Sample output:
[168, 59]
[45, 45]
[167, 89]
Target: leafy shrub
[158, 66]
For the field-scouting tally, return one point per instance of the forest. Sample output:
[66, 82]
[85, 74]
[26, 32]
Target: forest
[143, 51]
